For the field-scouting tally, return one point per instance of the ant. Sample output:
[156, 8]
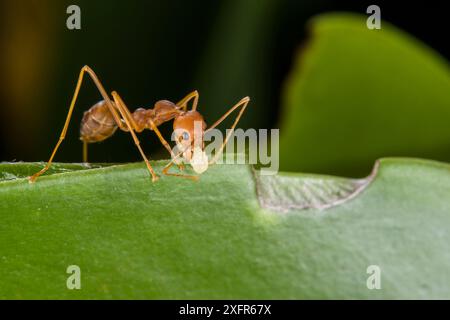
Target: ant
[105, 117]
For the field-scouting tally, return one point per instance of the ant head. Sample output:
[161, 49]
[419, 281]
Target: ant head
[189, 128]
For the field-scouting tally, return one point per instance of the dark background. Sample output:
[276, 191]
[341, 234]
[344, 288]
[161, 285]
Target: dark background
[151, 50]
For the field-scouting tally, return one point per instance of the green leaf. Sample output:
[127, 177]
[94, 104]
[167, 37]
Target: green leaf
[356, 95]
[15, 170]
[233, 234]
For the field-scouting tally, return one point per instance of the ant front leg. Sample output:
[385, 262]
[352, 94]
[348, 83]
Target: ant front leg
[164, 143]
[166, 169]
[182, 104]
[241, 104]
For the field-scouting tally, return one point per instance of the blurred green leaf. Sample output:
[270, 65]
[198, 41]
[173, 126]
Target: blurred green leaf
[212, 239]
[356, 95]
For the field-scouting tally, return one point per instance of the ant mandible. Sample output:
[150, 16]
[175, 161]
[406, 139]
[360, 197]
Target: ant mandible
[102, 120]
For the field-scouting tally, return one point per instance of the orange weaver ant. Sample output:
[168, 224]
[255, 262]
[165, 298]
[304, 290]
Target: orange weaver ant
[102, 120]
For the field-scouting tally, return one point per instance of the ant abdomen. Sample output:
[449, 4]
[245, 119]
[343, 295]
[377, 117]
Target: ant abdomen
[98, 123]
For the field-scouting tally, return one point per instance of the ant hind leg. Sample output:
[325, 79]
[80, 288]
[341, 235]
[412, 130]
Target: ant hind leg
[102, 91]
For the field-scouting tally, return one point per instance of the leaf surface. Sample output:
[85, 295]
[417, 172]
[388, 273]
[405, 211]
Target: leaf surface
[213, 239]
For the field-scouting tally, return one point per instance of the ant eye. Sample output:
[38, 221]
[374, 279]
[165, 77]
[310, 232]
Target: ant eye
[185, 135]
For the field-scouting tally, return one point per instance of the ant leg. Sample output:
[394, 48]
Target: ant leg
[165, 170]
[85, 152]
[154, 128]
[183, 102]
[243, 104]
[164, 143]
[131, 127]
[69, 115]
